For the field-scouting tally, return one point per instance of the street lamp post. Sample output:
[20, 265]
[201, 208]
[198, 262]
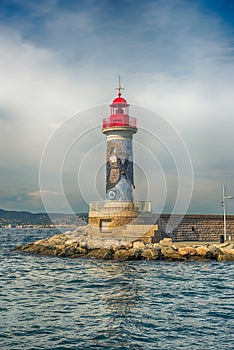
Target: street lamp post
[224, 211]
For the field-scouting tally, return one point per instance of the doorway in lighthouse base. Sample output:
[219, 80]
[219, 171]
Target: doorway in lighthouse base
[105, 225]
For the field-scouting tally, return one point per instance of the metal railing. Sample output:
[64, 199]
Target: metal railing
[109, 123]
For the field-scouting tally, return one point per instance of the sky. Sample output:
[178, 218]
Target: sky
[59, 66]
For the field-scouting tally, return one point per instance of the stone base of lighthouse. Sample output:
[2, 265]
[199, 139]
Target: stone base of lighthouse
[119, 219]
[109, 215]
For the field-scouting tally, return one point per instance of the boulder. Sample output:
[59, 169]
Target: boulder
[223, 245]
[70, 251]
[151, 254]
[225, 257]
[103, 253]
[138, 245]
[227, 251]
[121, 254]
[166, 242]
[56, 240]
[35, 243]
[202, 251]
[216, 251]
[205, 252]
[168, 253]
[128, 245]
[187, 251]
[84, 245]
[47, 246]
[69, 242]
[43, 249]
[134, 254]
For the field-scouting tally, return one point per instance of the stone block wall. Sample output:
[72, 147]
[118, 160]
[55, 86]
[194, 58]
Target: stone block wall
[197, 227]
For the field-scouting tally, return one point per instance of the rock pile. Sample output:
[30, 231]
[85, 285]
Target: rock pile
[79, 244]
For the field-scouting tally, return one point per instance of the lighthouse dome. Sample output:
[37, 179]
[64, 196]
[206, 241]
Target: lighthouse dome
[119, 99]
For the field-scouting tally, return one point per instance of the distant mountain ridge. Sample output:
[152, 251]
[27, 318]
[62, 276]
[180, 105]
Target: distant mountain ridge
[14, 217]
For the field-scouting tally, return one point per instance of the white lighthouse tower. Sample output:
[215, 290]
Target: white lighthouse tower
[119, 129]
[119, 208]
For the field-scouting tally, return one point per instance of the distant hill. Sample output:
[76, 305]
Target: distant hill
[26, 218]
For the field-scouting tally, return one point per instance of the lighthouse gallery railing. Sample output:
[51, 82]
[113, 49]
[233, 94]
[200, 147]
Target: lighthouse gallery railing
[109, 123]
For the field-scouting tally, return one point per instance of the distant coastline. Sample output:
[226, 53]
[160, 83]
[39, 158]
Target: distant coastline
[24, 219]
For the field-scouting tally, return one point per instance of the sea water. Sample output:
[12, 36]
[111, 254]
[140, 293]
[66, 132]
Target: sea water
[60, 303]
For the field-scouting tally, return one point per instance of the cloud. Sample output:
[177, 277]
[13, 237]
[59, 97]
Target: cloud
[37, 92]
[33, 78]
[18, 199]
[174, 57]
[38, 194]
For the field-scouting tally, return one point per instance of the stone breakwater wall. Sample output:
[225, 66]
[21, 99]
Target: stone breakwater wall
[197, 227]
[77, 245]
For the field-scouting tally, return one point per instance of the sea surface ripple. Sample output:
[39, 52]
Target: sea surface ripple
[58, 303]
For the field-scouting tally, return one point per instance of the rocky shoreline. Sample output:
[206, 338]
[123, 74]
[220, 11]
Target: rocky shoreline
[79, 244]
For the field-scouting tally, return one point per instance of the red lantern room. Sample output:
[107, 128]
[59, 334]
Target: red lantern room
[119, 114]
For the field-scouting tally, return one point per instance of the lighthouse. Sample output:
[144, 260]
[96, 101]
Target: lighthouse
[118, 208]
[119, 129]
